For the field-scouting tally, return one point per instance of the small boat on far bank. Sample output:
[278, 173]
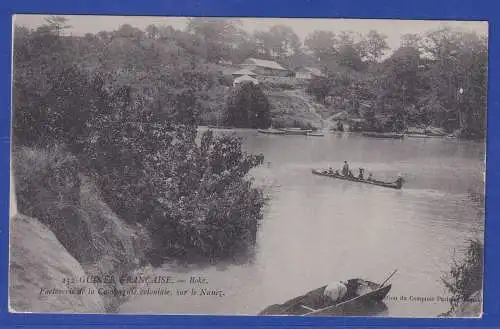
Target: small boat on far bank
[394, 185]
[271, 131]
[296, 131]
[418, 136]
[315, 134]
[383, 135]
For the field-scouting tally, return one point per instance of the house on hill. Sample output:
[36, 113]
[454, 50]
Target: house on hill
[245, 79]
[265, 67]
[243, 72]
[308, 73]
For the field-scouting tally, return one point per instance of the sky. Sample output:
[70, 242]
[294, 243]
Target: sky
[393, 29]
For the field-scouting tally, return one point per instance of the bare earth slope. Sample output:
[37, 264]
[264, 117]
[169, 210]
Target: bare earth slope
[294, 107]
[39, 261]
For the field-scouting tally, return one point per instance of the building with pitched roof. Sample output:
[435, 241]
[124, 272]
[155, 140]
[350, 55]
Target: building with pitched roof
[308, 73]
[265, 67]
[243, 72]
[245, 79]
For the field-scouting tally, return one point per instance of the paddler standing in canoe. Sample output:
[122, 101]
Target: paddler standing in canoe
[399, 180]
[345, 169]
[361, 173]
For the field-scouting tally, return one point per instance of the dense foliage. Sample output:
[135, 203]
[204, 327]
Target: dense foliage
[437, 79]
[126, 110]
[248, 107]
[466, 275]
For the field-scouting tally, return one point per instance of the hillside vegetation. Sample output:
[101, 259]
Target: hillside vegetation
[436, 79]
[105, 151]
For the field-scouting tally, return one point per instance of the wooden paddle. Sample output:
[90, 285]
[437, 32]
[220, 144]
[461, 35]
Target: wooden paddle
[390, 276]
[333, 307]
[310, 309]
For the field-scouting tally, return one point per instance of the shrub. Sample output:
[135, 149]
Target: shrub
[43, 177]
[466, 275]
[320, 88]
[248, 107]
[194, 199]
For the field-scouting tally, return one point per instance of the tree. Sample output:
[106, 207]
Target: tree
[248, 107]
[371, 123]
[458, 62]
[319, 87]
[278, 43]
[128, 31]
[152, 31]
[397, 89]
[347, 38]
[321, 44]
[412, 40]
[167, 33]
[374, 45]
[334, 51]
[57, 24]
[216, 35]
[245, 47]
[402, 68]
[349, 56]
[299, 59]
[104, 35]
[285, 41]
[265, 44]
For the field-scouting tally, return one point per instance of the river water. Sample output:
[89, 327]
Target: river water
[317, 230]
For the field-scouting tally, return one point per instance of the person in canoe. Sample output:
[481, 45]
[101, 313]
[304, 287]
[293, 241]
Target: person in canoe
[399, 180]
[335, 292]
[339, 291]
[370, 176]
[345, 169]
[361, 173]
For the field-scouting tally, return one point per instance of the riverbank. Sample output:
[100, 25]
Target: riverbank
[64, 219]
[212, 218]
[39, 266]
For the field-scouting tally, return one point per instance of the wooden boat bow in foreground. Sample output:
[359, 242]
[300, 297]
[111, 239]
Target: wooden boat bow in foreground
[342, 308]
[365, 297]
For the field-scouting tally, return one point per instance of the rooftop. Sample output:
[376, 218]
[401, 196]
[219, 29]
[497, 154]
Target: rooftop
[313, 70]
[246, 78]
[263, 63]
[244, 72]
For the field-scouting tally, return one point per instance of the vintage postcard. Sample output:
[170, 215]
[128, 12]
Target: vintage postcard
[248, 166]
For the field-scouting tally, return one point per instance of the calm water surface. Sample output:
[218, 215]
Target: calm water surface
[317, 230]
